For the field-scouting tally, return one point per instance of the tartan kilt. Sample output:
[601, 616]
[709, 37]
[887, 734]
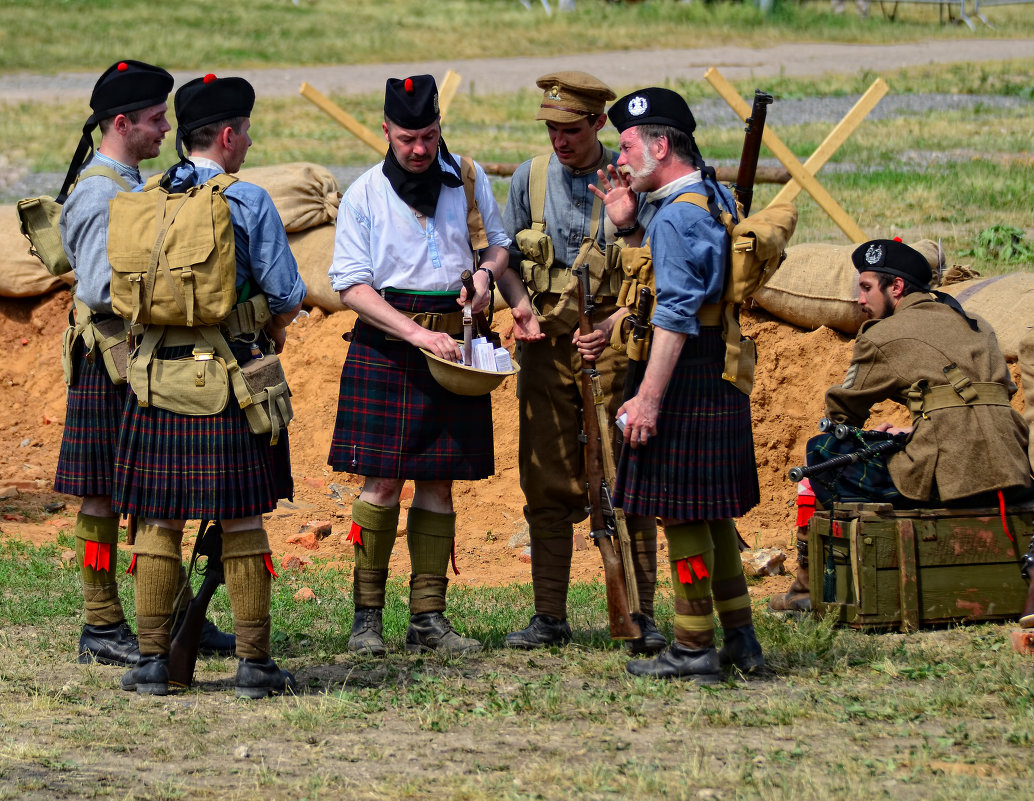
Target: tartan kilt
[700, 464]
[865, 481]
[93, 417]
[395, 421]
[177, 467]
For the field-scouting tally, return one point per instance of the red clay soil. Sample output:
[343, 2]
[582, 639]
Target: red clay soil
[794, 369]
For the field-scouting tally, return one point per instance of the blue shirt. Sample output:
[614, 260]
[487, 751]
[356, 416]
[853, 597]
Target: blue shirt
[262, 251]
[84, 230]
[690, 250]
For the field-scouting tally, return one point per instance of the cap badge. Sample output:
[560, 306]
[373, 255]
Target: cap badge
[874, 254]
[554, 93]
[436, 111]
[637, 106]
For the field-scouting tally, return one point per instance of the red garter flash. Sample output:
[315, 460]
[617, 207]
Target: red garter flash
[132, 566]
[97, 555]
[355, 534]
[269, 565]
[685, 574]
[697, 563]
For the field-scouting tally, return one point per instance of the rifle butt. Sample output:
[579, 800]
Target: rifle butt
[622, 627]
[184, 648]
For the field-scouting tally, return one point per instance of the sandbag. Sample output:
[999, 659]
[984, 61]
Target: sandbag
[22, 275]
[817, 286]
[313, 250]
[1005, 301]
[306, 195]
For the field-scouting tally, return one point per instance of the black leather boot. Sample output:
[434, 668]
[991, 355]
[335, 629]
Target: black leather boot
[149, 677]
[367, 632]
[432, 631]
[742, 650]
[542, 631]
[258, 678]
[651, 641]
[109, 645]
[215, 642]
[679, 662]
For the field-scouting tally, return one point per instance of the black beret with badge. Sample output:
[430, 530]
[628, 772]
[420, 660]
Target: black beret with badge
[652, 106]
[209, 99]
[411, 102]
[893, 258]
[571, 95]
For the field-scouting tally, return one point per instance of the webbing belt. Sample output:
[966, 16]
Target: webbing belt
[921, 399]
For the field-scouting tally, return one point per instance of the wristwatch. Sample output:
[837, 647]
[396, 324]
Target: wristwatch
[623, 232]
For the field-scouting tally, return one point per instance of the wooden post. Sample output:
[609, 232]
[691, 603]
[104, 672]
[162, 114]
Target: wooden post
[447, 91]
[356, 128]
[908, 576]
[836, 137]
[785, 155]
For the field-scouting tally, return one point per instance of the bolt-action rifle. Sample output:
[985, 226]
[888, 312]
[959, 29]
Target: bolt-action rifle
[743, 189]
[607, 524]
[187, 639]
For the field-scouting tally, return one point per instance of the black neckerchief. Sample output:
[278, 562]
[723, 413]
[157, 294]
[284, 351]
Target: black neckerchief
[420, 190]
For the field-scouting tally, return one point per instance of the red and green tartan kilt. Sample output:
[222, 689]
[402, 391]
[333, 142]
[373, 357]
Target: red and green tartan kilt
[700, 464]
[395, 421]
[176, 467]
[86, 462]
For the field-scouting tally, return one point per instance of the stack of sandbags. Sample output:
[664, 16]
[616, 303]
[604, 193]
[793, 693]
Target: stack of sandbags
[306, 196]
[1005, 301]
[818, 285]
[22, 275]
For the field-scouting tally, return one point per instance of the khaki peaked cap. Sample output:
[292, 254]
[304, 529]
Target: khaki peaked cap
[571, 95]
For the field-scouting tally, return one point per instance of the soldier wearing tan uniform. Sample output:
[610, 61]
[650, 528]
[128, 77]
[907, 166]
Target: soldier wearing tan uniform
[551, 214]
[966, 445]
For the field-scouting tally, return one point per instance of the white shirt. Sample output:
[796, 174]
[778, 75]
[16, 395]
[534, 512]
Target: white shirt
[380, 240]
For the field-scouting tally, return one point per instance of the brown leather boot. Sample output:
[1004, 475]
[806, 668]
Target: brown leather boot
[798, 597]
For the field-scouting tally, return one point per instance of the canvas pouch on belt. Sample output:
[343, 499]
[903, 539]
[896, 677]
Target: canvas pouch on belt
[107, 337]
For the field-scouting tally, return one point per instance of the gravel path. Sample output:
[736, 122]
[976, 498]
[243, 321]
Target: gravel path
[622, 69]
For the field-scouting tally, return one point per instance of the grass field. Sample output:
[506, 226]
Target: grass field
[937, 715]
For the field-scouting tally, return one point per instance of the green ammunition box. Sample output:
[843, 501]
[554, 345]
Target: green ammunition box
[874, 566]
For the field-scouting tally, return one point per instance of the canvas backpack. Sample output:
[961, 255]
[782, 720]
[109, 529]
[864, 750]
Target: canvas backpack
[172, 254]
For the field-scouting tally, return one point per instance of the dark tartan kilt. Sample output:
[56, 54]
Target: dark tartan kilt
[700, 464]
[176, 467]
[395, 421]
[86, 462]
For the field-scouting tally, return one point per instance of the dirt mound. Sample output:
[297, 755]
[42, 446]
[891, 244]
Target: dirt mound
[794, 369]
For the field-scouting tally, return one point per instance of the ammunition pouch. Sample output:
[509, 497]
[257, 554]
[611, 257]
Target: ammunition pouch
[102, 335]
[200, 384]
[554, 290]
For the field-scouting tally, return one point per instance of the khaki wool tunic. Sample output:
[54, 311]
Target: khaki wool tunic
[956, 451]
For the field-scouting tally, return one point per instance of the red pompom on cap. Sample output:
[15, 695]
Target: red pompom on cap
[122, 66]
[897, 239]
[209, 78]
[408, 86]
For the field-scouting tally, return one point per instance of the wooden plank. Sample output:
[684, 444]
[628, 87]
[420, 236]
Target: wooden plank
[447, 91]
[908, 576]
[350, 123]
[807, 181]
[837, 137]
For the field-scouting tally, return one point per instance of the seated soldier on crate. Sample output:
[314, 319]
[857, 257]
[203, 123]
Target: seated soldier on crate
[966, 446]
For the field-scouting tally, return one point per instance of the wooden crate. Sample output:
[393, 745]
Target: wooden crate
[904, 569]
